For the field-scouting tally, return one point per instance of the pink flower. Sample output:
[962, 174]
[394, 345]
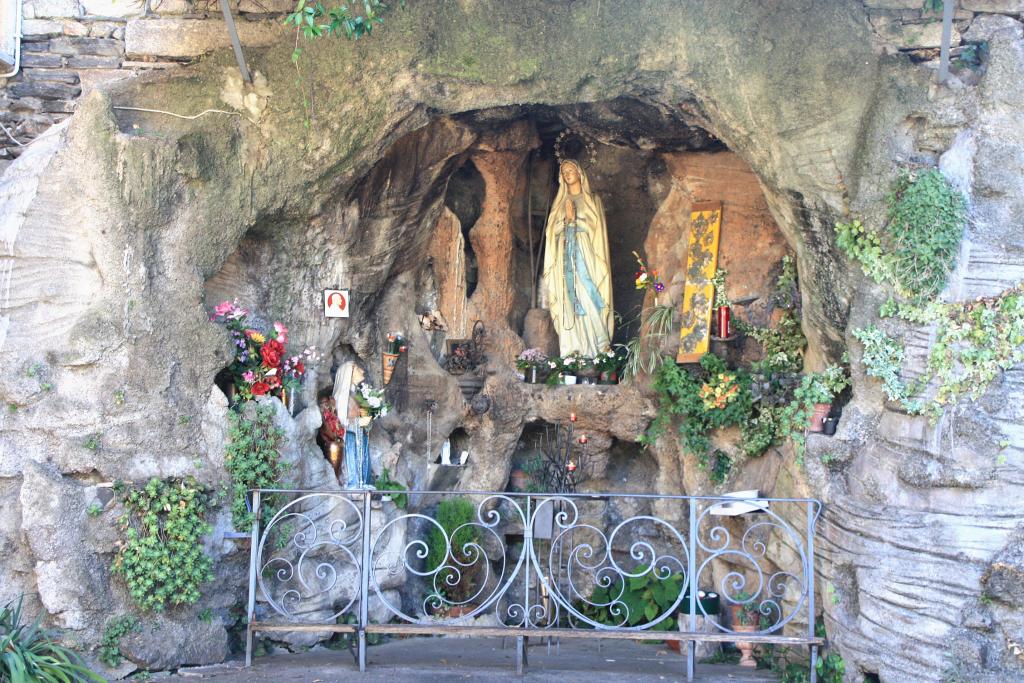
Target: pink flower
[223, 308]
[282, 333]
[249, 376]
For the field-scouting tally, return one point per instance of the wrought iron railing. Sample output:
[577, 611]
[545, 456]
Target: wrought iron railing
[533, 564]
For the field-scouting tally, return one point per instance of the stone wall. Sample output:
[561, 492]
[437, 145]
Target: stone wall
[105, 284]
[73, 46]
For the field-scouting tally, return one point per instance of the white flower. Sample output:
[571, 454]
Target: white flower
[384, 411]
[373, 401]
[271, 372]
[552, 364]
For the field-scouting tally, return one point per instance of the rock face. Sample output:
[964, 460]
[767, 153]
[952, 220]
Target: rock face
[123, 228]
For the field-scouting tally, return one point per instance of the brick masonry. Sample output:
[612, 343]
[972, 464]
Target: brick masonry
[72, 45]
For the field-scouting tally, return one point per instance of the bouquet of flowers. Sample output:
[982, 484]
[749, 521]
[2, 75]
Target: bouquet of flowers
[396, 342]
[371, 403]
[532, 358]
[260, 365]
[647, 278]
[719, 391]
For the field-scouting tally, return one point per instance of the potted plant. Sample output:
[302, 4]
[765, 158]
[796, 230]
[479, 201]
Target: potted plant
[608, 365]
[570, 366]
[455, 556]
[533, 363]
[819, 389]
[587, 371]
[389, 359]
[392, 490]
[745, 619]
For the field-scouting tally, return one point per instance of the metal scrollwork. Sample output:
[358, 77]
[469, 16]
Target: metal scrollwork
[307, 568]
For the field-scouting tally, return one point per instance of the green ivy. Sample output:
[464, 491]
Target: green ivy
[917, 249]
[635, 600]
[973, 343]
[110, 646]
[161, 556]
[253, 461]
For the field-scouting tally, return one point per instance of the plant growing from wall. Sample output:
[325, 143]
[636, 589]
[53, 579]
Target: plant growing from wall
[635, 600]
[28, 655]
[253, 461]
[161, 556]
[384, 482]
[116, 629]
[917, 249]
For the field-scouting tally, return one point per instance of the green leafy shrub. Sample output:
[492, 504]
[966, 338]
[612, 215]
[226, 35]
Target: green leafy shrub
[917, 250]
[927, 216]
[698, 400]
[253, 461]
[28, 655]
[110, 646]
[635, 600]
[161, 556]
[455, 516]
[384, 482]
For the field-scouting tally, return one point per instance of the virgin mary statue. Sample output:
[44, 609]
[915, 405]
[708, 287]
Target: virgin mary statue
[577, 282]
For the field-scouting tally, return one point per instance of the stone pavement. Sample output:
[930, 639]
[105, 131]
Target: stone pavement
[416, 660]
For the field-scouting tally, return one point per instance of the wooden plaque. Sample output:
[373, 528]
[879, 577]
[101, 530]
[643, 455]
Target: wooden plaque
[699, 293]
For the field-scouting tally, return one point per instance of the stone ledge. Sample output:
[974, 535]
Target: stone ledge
[187, 38]
[998, 6]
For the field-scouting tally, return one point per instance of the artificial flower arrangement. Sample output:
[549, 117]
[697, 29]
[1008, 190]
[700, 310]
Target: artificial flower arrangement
[719, 391]
[371, 403]
[261, 365]
[647, 278]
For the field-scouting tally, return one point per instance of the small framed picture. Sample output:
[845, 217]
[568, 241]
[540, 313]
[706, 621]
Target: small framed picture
[336, 303]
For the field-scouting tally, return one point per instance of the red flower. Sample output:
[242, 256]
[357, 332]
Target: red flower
[260, 388]
[273, 381]
[271, 353]
[300, 369]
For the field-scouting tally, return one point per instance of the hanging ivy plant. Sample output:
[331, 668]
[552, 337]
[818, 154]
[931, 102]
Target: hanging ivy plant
[160, 556]
[253, 461]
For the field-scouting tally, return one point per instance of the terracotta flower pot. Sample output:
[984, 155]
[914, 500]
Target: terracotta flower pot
[818, 417]
[519, 479]
[389, 361]
[746, 648]
[609, 377]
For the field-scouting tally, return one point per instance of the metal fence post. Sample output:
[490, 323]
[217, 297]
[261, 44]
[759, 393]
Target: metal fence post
[521, 643]
[691, 572]
[253, 549]
[809, 573]
[364, 582]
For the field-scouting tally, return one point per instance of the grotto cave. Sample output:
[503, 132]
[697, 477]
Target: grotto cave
[387, 338]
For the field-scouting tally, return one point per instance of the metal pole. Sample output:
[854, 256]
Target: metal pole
[691, 572]
[947, 38]
[229, 21]
[364, 582]
[809, 573]
[253, 549]
[521, 643]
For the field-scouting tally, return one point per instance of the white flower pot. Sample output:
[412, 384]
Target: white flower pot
[569, 379]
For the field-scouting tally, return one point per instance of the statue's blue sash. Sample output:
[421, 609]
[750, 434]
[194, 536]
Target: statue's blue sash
[575, 265]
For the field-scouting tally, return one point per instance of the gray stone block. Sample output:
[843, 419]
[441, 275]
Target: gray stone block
[998, 6]
[46, 90]
[41, 28]
[87, 46]
[41, 60]
[60, 75]
[94, 62]
[182, 38]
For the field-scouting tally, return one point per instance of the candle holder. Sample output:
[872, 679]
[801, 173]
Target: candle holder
[565, 464]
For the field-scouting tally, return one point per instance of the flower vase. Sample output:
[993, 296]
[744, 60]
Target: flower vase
[569, 379]
[389, 361]
[531, 375]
